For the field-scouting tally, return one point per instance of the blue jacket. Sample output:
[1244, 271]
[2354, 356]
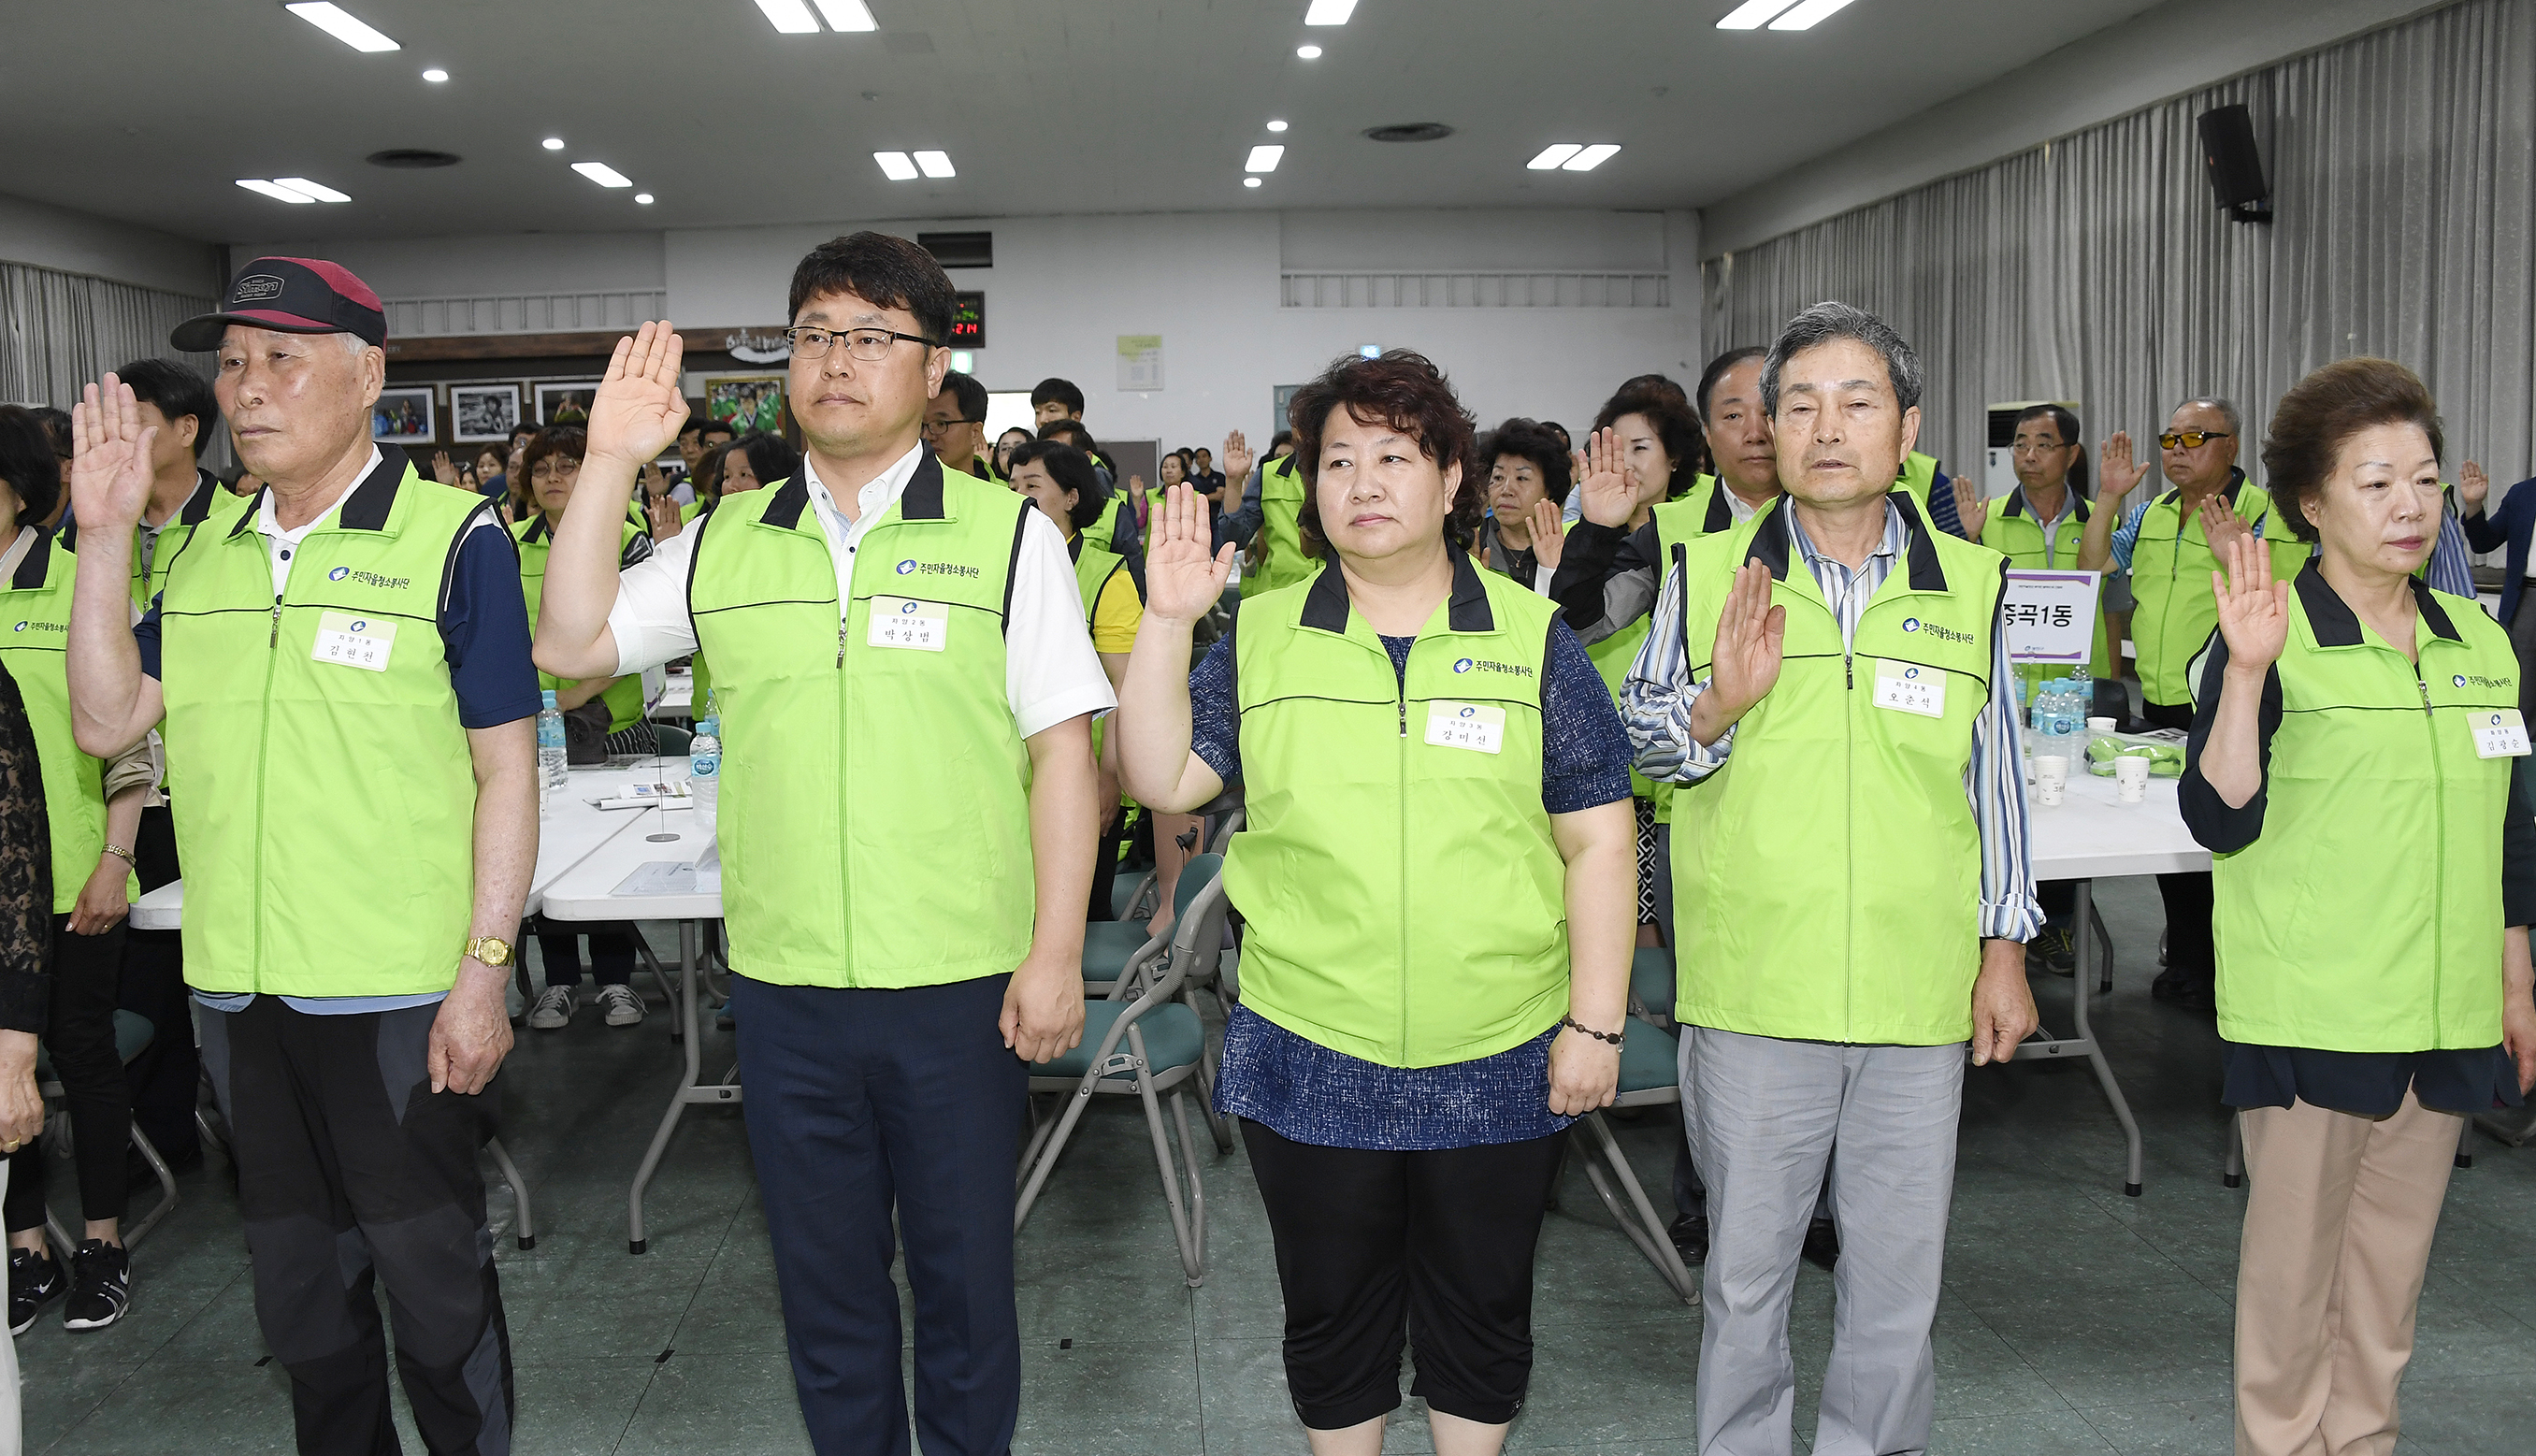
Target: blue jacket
[2512, 525]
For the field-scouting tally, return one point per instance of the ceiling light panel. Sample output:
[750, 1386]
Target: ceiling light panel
[552, 144]
[335, 20]
[1308, 52]
[1329, 12]
[848, 14]
[789, 16]
[1264, 158]
[1589, 158]
[1552, 155]
[896, 166]
[935, 164]
[317, 190]
[1751, 14]
[1807, 15]
[645, 198]
[1251, 181]
[273, 190]
[435, 76]
[603, 175]
[1275, 126]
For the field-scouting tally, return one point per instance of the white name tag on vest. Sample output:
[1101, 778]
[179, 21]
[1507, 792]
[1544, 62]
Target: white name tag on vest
[1476, 726]
[1908, 687]
[898, 622]
[353, 641]
[2500, 735]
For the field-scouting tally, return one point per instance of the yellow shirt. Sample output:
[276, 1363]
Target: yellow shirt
[1117, 613]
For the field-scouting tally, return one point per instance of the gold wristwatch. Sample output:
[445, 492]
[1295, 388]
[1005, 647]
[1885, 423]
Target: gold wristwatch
[492, 950]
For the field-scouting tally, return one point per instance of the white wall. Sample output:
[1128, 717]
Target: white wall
[494, 264]
[58, 238]
[2179, 46]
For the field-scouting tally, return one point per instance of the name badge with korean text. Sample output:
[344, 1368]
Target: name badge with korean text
[1476, 726]
[2499, 734]
[1908, 687]
[353, 641]
[898, 622]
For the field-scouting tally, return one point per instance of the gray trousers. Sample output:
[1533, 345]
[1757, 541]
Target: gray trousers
[1769, 1115]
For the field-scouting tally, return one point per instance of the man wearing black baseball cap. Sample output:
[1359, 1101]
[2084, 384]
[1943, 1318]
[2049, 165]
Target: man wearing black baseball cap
[343, 677]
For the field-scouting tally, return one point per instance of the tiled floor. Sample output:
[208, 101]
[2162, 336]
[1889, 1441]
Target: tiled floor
[2075, 1319]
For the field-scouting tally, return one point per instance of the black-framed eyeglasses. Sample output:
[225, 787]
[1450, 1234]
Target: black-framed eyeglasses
[937, 426]
[2191, 439]
[872, 345]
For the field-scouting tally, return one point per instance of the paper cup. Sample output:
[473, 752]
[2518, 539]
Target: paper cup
[2130, 777]
[2051, 777]
[2099, 725]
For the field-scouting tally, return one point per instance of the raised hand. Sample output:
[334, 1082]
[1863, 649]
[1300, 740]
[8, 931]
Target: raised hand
[2254, 608]
[109, 457]
[1745, 664]
[662, 512]
[1238, 460]
[1971, 507]
[1183, 577]
[638, 409]
[654, 485]
[441, 470]
[1549, 532]
[2474, 488]
[2221, 528]
[2116, 474]
[1601, 482]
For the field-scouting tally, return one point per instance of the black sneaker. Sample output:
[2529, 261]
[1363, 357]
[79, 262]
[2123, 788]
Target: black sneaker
[100, 1285]
[2053, 951]
[1822, 1244]
[34, 1281]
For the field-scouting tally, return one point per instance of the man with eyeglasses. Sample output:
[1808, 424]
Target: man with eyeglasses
[896, 648]
[955, 425]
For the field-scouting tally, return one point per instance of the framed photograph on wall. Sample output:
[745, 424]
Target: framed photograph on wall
[747, 402]
[406, 417]
[482, 414]
[566, 403]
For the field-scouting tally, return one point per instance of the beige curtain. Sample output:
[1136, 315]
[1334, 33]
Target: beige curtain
[64, 330]
[2096, 268]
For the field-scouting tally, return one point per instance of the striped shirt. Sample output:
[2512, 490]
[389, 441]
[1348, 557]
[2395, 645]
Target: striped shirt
[1657, 698]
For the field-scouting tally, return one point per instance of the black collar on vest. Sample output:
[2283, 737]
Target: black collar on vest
[198, 506]
[364, 509]
[1073, 545]
[39, 559]
[1325, 603]
[1721, 511]
[2335, 624]
[2016, 504]
[1771, 544]
[537, 531]
[922, 500]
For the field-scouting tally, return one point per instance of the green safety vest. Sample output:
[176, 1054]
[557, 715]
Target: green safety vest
[1828, 889]
[2015, 533]
[1920, 477]
[2373, 771]
[1281, 562]
[327, 826]
[623, 697]
[843, 755]
[210, 501]
[1105, 530]
[1405, 898]
[2171, 565]
[34, 631]
[1093, 568]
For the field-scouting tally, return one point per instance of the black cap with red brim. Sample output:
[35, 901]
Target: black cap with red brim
[290, 296]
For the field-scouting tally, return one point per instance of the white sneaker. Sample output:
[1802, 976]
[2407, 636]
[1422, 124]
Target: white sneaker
[624, 1008]
[553, 1011]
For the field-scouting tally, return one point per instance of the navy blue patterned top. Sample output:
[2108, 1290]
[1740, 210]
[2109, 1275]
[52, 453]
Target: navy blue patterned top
[1309, 1094]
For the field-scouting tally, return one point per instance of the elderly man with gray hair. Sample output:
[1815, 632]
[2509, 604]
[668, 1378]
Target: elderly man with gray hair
[1852, 895]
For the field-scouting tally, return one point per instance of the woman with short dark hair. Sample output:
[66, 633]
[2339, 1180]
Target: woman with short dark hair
[1527, 471]
[2357, 768]
[1435, 877]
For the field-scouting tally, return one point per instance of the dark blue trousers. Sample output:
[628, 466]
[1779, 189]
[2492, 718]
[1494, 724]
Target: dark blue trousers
[861, 1101]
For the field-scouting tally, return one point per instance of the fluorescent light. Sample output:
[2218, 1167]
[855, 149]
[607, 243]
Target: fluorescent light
[273, 190]
[1589, 158]
[935, 164]
[964, 362]
[1251, 181]
[435, 75]
[1808, 14]
[791, 17]
[552, 144]
[1264, 158]
[1751, 14]
[895, 165]
[1275, 126]
[317, 190]
[1552, 155]
[1329, 12]
[331, 18]
[844, 15]
[603, 175]
[1308, 52]
[645, 198]
[1368, 350]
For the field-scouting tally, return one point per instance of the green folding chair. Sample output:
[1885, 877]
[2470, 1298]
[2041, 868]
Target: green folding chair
[1650, 1077]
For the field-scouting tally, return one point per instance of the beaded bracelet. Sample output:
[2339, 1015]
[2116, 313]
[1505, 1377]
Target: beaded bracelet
[1572, 1024]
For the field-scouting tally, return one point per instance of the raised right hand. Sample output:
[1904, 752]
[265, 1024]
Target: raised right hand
[1602, 484]
[441, 470]
[2116, 474]
[109, 457]
[1971, 507]
[1183, 577]
[1751, 634]
[1236, 461]
[2254, 608]
[638, 409]
[662, 510]
[2474, 488]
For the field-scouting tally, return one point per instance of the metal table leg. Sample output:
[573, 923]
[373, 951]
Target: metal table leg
[2085, 1044]
[691, 1089]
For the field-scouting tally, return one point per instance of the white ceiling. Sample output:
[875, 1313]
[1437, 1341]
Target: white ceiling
[148, 111]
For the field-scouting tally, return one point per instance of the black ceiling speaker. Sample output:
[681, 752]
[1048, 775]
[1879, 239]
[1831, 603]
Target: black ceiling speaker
[2236, 165]
[412, 157]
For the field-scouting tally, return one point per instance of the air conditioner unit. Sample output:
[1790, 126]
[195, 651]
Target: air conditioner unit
[1998, 473]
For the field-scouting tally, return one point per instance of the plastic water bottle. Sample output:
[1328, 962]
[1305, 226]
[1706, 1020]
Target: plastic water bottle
[2059, 711]
[554, 763]
[703, 763]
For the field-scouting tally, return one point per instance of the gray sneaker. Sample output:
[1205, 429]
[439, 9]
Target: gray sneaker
[553, 1011]
[623, 1007]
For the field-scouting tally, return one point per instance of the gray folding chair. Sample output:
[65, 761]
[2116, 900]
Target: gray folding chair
[1148, 1046]
[1650, 1077]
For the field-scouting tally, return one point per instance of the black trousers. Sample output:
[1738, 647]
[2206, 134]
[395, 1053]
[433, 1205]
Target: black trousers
[166, 1079]
[612, 954]
[2190, 957]
[1374, 1247]
[352, 1170]
[79, 1036]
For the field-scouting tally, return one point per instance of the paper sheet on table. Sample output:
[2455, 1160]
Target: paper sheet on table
[661, 877]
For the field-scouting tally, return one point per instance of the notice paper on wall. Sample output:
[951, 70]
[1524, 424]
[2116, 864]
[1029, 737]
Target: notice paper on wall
[2049, 616]
[1140, 361]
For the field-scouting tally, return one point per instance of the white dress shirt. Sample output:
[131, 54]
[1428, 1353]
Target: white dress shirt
[1051, 671]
